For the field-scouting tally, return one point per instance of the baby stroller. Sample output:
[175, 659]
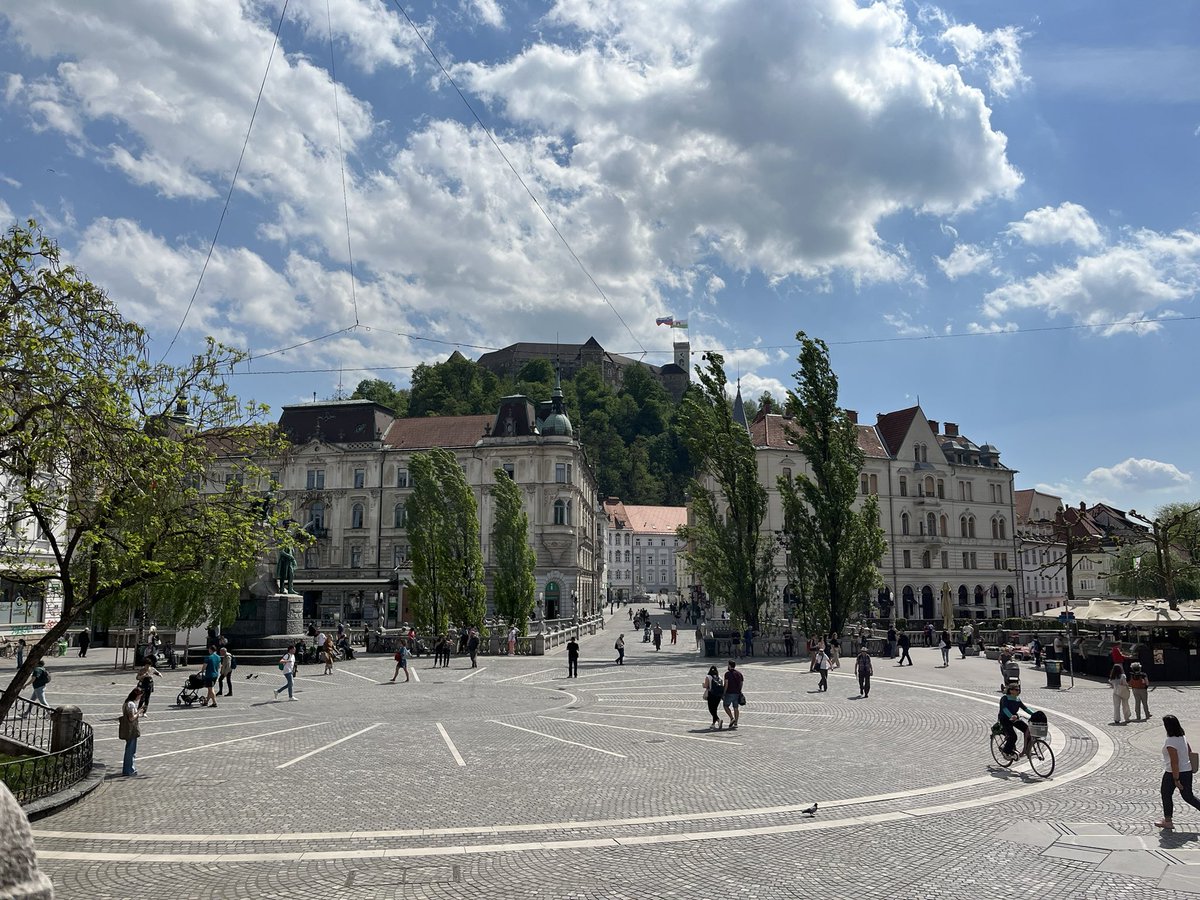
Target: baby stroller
[195, 682]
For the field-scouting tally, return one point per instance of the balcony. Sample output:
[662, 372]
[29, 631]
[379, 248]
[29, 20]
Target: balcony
[923, 499]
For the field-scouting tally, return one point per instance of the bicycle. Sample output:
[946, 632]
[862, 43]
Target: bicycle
[1039, 754]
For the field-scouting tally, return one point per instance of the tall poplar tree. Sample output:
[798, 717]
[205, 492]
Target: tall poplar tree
[728, 549]
[443, 530]
[841, 545]
[514, 585]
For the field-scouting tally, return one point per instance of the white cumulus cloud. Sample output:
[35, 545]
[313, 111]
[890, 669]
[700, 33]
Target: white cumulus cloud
[964, 259]
[995, 53]
[1067, 223]
[1137, 475]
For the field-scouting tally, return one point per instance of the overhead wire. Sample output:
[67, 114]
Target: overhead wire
[496, 144]
[337, 118]
[232, 182]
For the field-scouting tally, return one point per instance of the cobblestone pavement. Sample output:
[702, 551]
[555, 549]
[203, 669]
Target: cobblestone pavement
[513, 781]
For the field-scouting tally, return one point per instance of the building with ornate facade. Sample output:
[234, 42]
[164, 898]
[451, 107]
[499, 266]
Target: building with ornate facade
[347, 480]
[641, 549]
[26, 609]
[945, 506]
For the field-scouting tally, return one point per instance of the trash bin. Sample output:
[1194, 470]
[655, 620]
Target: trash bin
[1053, 674]
[710, 646]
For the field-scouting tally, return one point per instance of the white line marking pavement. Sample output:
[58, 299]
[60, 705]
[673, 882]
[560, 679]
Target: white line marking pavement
[757, 712]
[356, 675]
[197, 728]
[526, 675]
[292, 762]
[233, 741]
[1104, 753]
[415, 674]
[450, 744]
[666, 734]
[472, 673]
[684, 721]
[560, 740]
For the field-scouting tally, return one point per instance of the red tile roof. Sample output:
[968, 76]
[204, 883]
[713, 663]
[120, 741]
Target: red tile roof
[450, 432]
[893, 427]
[656, 519]
[773, 431]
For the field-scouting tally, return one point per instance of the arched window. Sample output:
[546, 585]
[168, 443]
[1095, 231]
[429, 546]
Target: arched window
[964, 596]
[1003, 529]
[944, 531]
[356, 516]
[995, 529]
[970, 526]
[916, 452]
[626, 556]
[560, 512]
[962, 526]
[979, 595]
[910, 602]
[928, 485]
[931, 524]
[316, 514]
[400, 516]
[924, 453]
[904, 523]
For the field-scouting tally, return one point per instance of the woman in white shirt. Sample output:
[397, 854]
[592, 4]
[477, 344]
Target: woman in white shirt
[287, 665]
[1120, 695]
[1177, 770]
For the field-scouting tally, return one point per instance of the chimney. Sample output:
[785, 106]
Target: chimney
[852, 414]
[933, 425]
[951, 430]
[1082, 506]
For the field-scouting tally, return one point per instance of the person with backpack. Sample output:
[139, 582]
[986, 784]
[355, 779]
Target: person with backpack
[713, 689]
[401, 663]
[733, 699]
[619, 646]
[1139, 684]
[864, 670]
[39, 678]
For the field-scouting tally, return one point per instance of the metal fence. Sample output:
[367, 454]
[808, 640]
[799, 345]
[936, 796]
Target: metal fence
[42, 772]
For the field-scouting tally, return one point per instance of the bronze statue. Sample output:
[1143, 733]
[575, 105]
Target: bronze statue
[285, 571]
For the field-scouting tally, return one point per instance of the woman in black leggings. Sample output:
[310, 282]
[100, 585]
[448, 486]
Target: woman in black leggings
[713, 690]
[1177, 774]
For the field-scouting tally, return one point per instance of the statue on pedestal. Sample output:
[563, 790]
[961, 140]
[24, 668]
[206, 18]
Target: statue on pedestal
[285, 571]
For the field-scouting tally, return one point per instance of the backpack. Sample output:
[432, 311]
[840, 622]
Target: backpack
[617, 645]
[41, 680]
[232, 662]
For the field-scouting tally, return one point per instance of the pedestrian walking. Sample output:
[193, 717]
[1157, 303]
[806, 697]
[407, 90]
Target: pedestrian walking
[573, 658]
[944, 642]
[401, 658]
[630, 613]
[864, 670]
[226, 678]
[964, 638]
[1120, 695]
[287, 665]
[657, 637]
[473, 647]
[1035, 647]
[38, 679]
[748, 641]
[789, 642]
[927, 635]
[145, 679]
[130, 730]
[713, 689]
[832, 650]
[1179, 766]
[675, 631]
[699, 635]
[85, 641]
[823, 669]
[512, 641]
[619, 646]
[211, 673]
[1139, 684]
[733, 697]
[20, 652]
[904, 643]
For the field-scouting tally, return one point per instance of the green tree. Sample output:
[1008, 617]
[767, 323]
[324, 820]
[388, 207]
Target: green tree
[443, 532]
[514, 585]
[384, 393]
[456, 387]
[840, 545]
[1137, 573]
[1175, 539]
[729, 551]
[103, 463]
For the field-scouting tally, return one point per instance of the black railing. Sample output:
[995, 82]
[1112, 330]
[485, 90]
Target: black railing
[42, 773]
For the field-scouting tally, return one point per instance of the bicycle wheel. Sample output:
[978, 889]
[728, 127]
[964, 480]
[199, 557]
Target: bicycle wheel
[998, 754]
[1041, 758]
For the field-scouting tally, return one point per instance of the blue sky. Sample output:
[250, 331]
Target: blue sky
[970, 202]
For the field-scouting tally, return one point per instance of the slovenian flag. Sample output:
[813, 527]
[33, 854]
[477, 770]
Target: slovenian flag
[665, 320]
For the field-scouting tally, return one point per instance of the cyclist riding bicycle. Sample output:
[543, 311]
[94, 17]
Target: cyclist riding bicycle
[1010, 719]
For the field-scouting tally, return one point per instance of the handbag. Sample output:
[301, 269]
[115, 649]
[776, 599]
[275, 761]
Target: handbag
[1193, 758]
[744, 701]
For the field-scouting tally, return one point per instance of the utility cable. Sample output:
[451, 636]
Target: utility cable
[232, 182]
[337, 118]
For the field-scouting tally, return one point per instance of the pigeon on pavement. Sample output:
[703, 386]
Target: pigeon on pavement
[811, 811]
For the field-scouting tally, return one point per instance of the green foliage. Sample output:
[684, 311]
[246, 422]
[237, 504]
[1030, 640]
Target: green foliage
[514, 585]
[840, 546]
[1137, 573]
[94, 442]
[443, 530]
[729, 553]
[384, 393]
[456, 387]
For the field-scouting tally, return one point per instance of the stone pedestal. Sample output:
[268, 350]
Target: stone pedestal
[266, 624]
[66, 722]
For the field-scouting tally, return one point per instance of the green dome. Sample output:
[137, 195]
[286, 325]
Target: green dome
[557, 425]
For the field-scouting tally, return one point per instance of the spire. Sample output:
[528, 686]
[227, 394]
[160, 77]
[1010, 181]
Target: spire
[739, 408]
